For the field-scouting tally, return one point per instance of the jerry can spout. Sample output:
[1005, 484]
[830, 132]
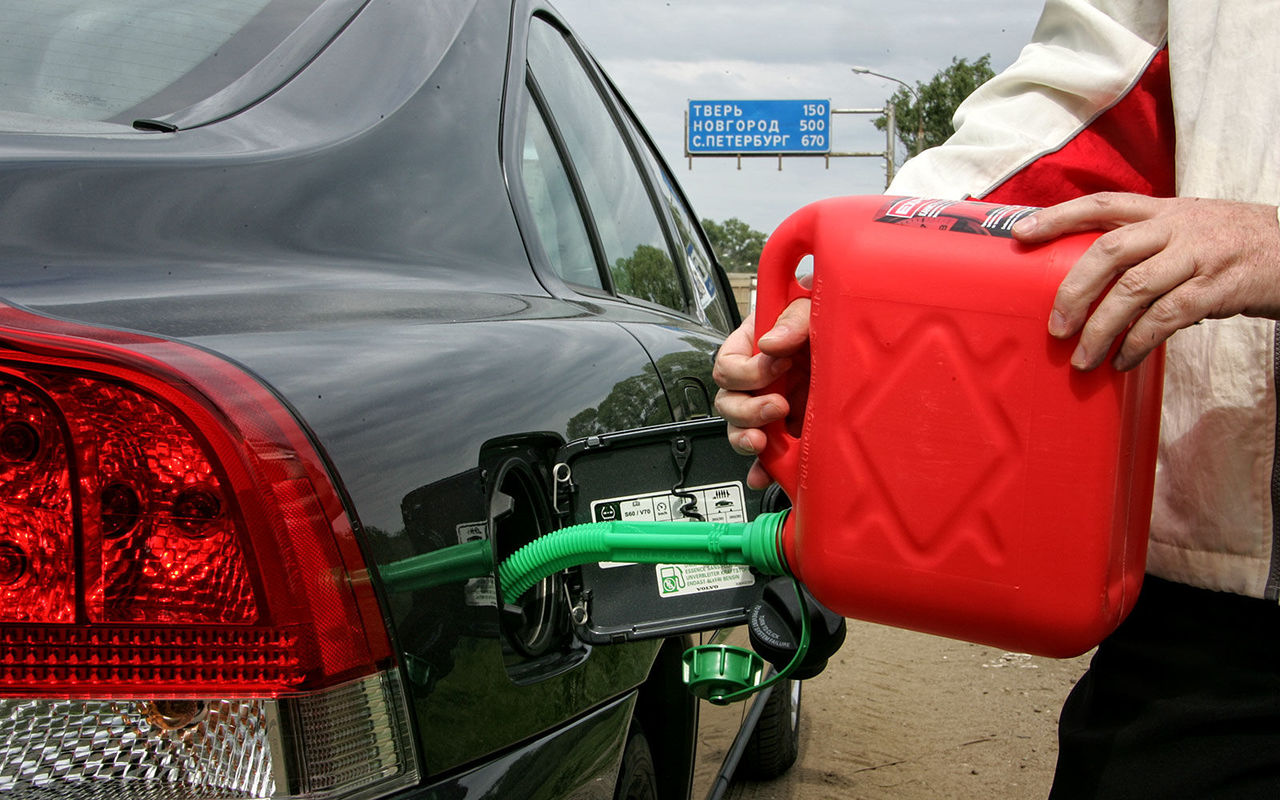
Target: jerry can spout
[756, 544]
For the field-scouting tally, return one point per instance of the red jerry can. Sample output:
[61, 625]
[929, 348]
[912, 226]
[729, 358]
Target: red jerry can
[954, 474]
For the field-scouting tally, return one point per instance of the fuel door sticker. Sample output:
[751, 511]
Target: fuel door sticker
[676, 580]
[479, 592]
[721, 502]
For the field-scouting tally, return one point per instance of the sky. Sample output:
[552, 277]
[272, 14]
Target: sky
[664, 53]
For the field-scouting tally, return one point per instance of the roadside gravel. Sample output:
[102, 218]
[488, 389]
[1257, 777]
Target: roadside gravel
[900, 715]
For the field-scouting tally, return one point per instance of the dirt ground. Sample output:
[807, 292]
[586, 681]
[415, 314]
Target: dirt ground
[899, 715]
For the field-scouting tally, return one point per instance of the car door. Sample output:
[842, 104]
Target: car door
[602, 244]
[643, 262]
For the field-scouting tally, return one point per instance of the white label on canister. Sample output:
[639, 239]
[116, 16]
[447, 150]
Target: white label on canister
[961, 216]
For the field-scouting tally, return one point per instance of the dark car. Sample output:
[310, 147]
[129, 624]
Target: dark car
[292, 293]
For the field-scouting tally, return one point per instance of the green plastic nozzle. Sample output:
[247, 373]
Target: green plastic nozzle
[457, 562]
[718, 673]
[755, 544]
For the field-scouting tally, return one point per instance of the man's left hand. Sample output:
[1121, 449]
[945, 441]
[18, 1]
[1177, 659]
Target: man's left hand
[1174, 262]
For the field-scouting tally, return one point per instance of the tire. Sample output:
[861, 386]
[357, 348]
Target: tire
[775, 743]
[637, 777]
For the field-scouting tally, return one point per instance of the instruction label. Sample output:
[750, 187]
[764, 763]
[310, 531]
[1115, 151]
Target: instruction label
[478, 591]
[677, 580]
[722, 502]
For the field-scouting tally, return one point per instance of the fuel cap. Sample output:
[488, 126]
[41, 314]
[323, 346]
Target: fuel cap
[714, 671]
[774, 624]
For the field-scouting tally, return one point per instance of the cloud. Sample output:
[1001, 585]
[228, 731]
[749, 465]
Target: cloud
[663, 53]
[917, 32]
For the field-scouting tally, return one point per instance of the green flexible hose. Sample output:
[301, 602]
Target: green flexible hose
[756, 544]
[457, 562]
[718, 673]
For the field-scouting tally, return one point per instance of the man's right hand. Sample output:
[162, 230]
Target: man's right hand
[741, 373]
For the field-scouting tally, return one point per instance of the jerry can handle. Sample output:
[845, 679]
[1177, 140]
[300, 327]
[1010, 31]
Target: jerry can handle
[776, 288]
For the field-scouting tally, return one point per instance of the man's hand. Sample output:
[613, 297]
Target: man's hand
[1175, 261]
[740, 372]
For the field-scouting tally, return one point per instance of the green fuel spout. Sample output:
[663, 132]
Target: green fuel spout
[459, 562]
[718, 673]
[755, 544]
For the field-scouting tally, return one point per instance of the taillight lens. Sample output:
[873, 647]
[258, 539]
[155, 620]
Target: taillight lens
[160, 539]
[169, 534]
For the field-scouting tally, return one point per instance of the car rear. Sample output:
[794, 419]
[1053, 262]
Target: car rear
[182, 602]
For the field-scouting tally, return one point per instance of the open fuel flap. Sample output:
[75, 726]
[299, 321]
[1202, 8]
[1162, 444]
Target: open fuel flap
[684, 471]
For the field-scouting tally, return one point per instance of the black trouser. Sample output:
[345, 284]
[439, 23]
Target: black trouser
[1182, 701]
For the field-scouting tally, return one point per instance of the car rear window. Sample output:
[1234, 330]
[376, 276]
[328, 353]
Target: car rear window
[132, 59]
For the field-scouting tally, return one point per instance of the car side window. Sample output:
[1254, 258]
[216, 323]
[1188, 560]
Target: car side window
[555, 208]
[711, 303]
[617, 199]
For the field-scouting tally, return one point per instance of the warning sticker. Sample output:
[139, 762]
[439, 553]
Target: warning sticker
[711, 503]
[676, 580]
[961, 216]
[720, 502]
[481, 592]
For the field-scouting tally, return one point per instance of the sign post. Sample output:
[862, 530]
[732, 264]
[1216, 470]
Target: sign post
[759, 126]
[773, 128]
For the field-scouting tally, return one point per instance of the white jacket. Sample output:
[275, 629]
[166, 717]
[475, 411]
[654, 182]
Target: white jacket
[1156, 97]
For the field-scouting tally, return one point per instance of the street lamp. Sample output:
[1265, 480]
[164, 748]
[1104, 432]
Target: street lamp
[914, 93]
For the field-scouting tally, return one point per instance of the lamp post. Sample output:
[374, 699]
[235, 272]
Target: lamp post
[914, 94]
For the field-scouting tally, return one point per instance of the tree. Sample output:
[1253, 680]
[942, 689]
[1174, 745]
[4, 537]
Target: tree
[737, 245]
[938, 100]
[649, 275]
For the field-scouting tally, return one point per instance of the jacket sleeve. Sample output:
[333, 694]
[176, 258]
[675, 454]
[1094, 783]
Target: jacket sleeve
[1085, 107]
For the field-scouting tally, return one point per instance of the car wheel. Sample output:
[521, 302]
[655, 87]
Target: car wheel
[637, 777]
[775, 743]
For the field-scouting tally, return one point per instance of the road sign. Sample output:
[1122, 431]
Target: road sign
[727, 127]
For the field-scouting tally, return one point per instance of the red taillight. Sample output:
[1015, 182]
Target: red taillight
[166, 527]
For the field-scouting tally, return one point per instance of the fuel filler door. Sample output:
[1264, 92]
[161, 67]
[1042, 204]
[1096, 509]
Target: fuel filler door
[677, 472]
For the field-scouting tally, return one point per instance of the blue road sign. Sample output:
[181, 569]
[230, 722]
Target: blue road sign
[728, 127]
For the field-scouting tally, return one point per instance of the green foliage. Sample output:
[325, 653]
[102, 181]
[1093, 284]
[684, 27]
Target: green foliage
[737, 245]
[641, 399]
[938, 100]
[649, 275]
[634, 402]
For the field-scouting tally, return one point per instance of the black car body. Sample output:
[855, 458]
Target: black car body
[330, 297]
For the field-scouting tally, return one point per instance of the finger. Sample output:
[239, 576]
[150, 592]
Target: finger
[738, 373]
[790, 333]
[1108, 259]
[758, 477]
[1140, 289]
[746, 441]
[1103, 211]
[742, 340]
[1180, 308]
[749, 411]
[739, 368]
